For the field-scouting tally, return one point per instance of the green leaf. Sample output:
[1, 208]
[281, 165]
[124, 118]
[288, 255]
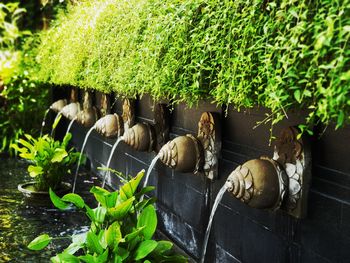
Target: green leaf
[64, 258]
[340, 119]
[57, 120]
[163, 246]
[93, 243]
[128, 189]
[148, 220]
[144, 249]
[66, 139]
[74, 199]
[113, 235]
[100, 194]
[118, 212]
[56, 200]
[59, 155]
[40, 242]
[297, 95]
[100, 214]
[129, 237]
[35, 170]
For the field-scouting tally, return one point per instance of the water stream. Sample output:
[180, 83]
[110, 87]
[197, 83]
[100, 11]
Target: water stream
[149, 170]
[80, 156]
[21, 220]
[107, 173]
[70, 124]
[44, 121]
[215, 206]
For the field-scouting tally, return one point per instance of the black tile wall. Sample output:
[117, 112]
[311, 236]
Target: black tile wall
[239, 233]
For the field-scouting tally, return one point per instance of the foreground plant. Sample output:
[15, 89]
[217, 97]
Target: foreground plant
[50, 159]
[122, 227]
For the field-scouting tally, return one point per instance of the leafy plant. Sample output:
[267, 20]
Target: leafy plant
[122, 227]
[236, 53]
[50, 159]
[22, 98]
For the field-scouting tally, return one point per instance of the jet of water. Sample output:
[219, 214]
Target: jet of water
[44, 121]
[107, 173]
[218, 198]
[81, 155]
[70, 124]
[150, 168]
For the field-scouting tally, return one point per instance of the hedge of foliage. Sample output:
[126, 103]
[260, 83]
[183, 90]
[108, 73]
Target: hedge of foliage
[277, 54]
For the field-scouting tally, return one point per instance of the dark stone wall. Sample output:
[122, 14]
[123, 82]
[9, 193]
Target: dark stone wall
[240, 233]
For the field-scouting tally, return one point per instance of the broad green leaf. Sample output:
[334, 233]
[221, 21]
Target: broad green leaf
[113, 235]
[128, 189]
[297, 95]
[35, 170]
[57, 120]
[144, 249]
[59, 155]
[73, 248]
[56, 200]
[65, 258]
[93, 243]
[162, 247]
[118, 212]
[75, 199]
[100, 194]
[100, 214]
[132, 235]
[148, 220]
[111, 199]
[66, 139]
[40, 242]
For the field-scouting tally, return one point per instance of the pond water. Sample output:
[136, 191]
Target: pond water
[21, 220]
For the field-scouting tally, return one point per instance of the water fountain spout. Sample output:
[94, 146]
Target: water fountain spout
[195, 154]
[71, 110]
[88, 116]
[58, 105]
[114, 125]
[280, 182]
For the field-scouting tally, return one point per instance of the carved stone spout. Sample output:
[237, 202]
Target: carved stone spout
[141, 137]
[87, 117]
[281, 182]
[260, 183]
[195, 154]
[183, 154]
[110, 126]
[71, 110]
[58, 105]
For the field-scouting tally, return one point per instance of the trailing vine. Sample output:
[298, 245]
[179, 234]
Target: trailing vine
[276, 54]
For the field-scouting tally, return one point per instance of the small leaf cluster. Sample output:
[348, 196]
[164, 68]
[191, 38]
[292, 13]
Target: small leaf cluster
[276, 54]
[122, 227]
[49, 159]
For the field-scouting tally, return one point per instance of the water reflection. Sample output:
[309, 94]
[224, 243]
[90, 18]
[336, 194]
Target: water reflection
[21, 221]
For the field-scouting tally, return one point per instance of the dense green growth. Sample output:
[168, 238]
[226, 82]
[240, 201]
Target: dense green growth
[122, 228]
[277, 54]
[22, 99]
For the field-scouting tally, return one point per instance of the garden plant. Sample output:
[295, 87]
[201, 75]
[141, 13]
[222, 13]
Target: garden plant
[50, 160]
[122, 227]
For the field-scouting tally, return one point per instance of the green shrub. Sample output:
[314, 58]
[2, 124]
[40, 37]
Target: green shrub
[122, 228]
[276, 54]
